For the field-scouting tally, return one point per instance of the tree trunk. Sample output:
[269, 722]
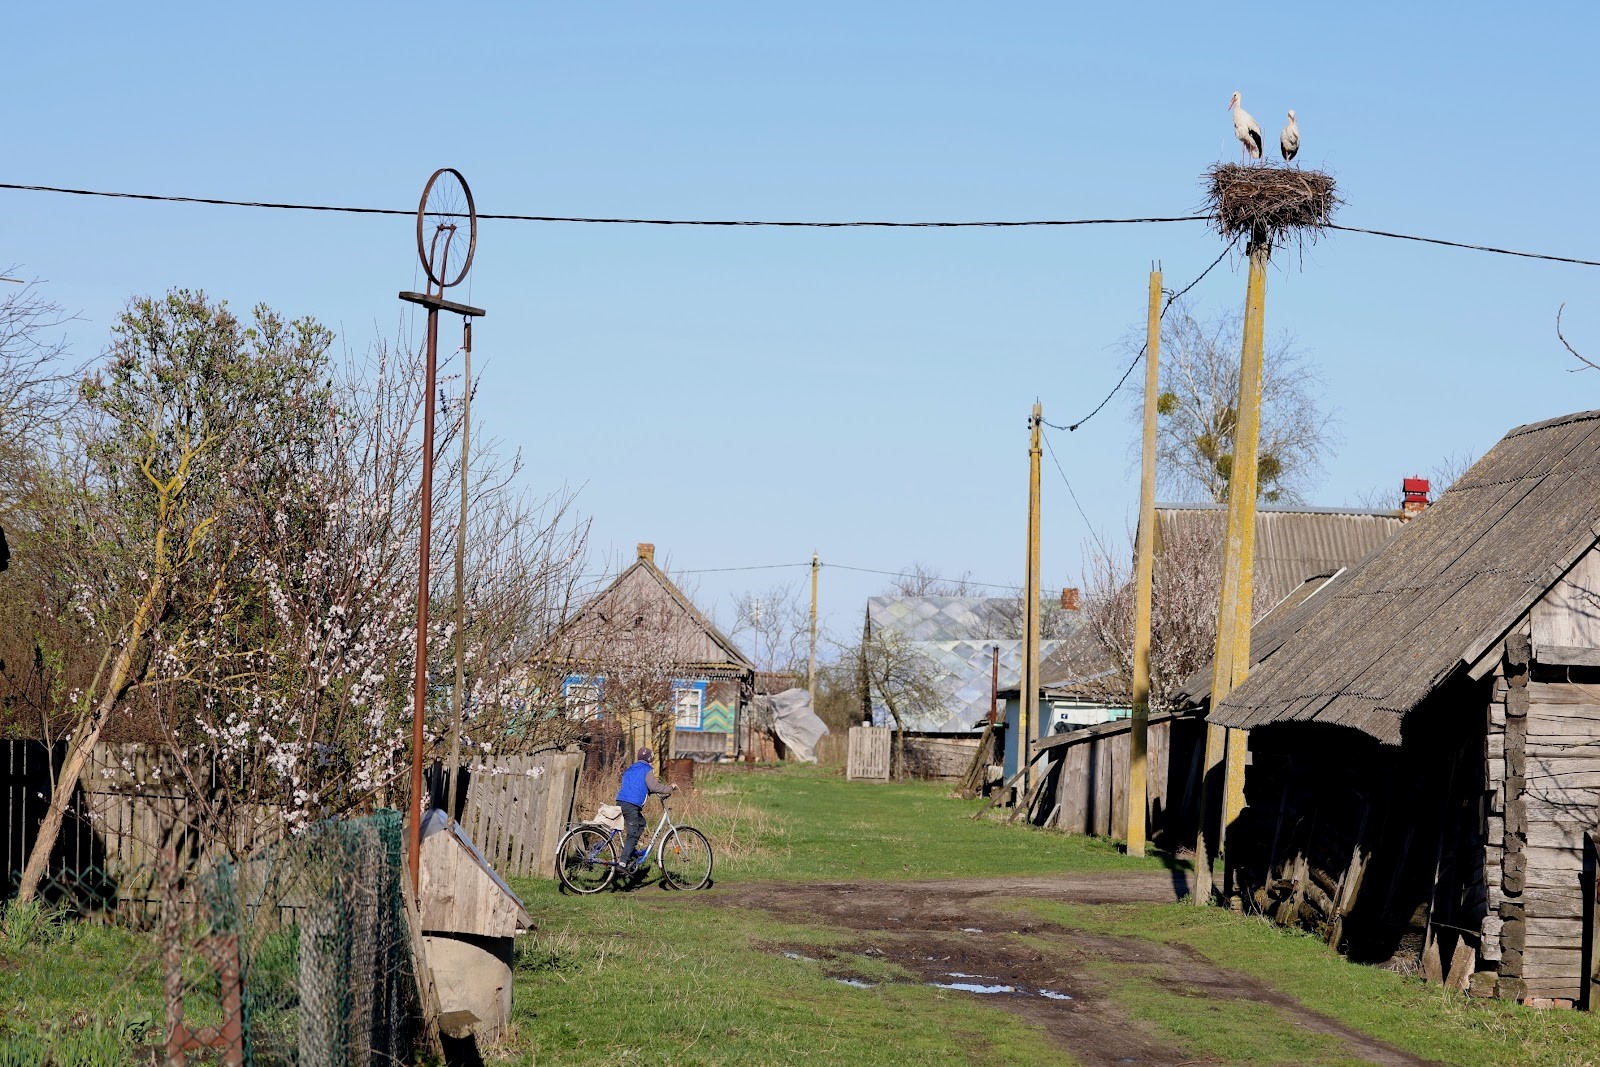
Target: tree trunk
[897, 764]
[83, 742]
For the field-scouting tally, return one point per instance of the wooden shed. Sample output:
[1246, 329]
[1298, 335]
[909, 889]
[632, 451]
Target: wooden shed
[1425, 734]
[470, 917]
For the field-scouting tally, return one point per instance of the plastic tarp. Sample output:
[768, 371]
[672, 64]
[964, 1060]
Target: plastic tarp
[795, 724]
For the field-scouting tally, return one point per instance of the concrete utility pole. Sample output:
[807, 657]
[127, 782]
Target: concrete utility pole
[1232, 662]
[811, 670]
[1028, 715]
[1143, 576]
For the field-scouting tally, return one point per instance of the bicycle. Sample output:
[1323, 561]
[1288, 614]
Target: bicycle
[586, 857]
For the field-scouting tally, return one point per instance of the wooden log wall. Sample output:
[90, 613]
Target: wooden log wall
[1543, 797]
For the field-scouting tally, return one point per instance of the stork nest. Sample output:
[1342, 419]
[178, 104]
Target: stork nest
[1270, 203]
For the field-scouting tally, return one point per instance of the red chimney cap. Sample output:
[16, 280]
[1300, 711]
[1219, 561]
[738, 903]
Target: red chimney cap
[1415, 488]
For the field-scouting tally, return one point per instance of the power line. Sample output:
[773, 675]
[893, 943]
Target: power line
[1145, 347]
[758, 567]
[1075, 503]
[807, 564]
[909, 574]
[798, 224]
[1475, 248]
[350, 210]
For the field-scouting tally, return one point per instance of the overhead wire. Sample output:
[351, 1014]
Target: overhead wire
[1472, 247]
[824, 565]
[1075, 502]
[1172, 299]
[351, 209]
[800, 224]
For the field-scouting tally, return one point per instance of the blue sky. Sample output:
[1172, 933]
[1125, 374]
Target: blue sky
[744, 396]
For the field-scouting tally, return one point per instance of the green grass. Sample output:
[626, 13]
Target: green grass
[805, 823]
[75, 993]
[651, 977]
[664, 978]
[1422, 1019]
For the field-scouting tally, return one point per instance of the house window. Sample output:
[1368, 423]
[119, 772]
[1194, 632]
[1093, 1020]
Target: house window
[582, 697]
[688, 703]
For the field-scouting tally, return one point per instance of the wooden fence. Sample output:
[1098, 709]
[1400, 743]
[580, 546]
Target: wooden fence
[868, 759]
[1084, 778]
[128, 807]
[518, 807]
[939, 759]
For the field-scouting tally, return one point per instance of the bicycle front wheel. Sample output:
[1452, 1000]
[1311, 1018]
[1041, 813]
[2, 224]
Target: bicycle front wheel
[586, 860]
[685, 859]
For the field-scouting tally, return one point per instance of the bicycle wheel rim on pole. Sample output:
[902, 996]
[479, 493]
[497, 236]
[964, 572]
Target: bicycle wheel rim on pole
[447, 228]
[685, 859]
[574, 865]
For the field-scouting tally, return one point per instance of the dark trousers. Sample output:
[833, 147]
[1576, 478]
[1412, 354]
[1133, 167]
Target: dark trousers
[633, 822]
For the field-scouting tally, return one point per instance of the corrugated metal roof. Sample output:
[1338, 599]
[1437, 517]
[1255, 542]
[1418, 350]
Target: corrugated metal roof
[1382, 636]
[1292, 543]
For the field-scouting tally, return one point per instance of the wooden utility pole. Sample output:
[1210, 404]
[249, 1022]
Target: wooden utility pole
[1143, 574]
[994, 683]
[1028, 714]
[1232, 662]
[458, 693]
[811, 670]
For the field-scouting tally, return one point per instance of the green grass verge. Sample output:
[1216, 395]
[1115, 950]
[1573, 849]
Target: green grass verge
[76, 993]
[663, 978]
[805, 823]
[1405, 1012]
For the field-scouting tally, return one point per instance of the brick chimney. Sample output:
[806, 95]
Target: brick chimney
[648, 551]
[1413, 497]
[1070, 599]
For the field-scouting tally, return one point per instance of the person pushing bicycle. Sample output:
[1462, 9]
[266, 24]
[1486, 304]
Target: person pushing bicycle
[639, 784]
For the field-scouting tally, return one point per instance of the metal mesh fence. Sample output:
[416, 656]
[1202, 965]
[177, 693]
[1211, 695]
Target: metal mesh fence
[299, 956]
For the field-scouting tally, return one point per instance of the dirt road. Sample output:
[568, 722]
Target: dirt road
[958, 934]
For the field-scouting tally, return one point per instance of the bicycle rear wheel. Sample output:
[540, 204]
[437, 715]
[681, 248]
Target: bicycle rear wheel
[586, 860]
[685, 859]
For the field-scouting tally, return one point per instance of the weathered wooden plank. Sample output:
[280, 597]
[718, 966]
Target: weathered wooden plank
[1567, 655]
[1117, 784]
[1552, 962]
[1564, 693]
[1565, 836]
[1562, 988]
[1564, 746]
[1566, 614]
[1546, 858]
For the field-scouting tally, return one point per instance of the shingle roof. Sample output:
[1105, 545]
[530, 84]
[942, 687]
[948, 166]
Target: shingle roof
[1381, 637]
[701, 643]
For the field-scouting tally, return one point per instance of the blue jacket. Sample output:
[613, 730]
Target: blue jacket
[638, 782]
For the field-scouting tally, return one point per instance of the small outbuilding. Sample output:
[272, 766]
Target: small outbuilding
[470, 918]
[1424, 735]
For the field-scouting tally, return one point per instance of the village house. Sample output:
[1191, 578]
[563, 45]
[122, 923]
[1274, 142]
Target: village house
[640, 654]
[1424, 735]
[1083, 739]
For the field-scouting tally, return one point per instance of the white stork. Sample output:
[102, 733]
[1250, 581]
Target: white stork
[1289, 140]
[1246, 129]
